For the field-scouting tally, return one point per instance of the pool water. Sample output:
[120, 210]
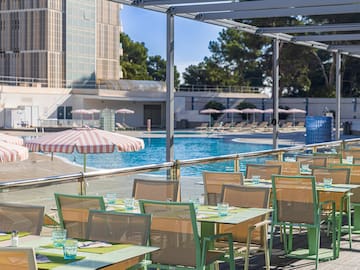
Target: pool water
[184, 149]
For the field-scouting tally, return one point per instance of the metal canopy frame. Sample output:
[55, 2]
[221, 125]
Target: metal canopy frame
[224, 13]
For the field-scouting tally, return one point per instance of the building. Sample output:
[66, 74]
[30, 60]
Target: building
[59, 43]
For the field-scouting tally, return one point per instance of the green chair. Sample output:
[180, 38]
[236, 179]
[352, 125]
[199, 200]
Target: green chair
[73, 211]
[174, 230]
[120, 228]
[295, 203]
[342, 202]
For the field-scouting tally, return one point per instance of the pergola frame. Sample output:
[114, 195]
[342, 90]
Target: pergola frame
[223, 13]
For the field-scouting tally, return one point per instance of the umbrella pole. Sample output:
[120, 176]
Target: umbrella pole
[52, 156]
[84, 168]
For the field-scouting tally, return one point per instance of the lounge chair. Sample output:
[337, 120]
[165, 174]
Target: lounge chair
[127, 127]
[120, 127]
[203, 126]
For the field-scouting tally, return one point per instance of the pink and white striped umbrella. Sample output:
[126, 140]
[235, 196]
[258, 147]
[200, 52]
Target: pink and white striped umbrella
[11, 152]
[11, 139]
[85, 141]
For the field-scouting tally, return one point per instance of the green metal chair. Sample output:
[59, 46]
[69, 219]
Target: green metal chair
[174, 229]
[295, 203]
[73, 211]
[342, 202]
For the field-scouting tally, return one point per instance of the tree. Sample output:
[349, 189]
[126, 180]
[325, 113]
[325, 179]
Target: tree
[156, 67]
[133, 60]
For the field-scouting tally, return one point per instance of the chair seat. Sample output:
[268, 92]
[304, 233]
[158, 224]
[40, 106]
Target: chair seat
[214, 255]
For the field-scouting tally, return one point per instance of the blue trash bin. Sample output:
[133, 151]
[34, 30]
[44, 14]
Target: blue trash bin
[318, 129]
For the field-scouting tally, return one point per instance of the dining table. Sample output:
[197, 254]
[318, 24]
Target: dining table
[87, 258]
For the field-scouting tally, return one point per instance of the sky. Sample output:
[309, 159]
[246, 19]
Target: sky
[191, 37]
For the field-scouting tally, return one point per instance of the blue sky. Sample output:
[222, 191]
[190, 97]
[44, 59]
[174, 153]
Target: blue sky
[191, 37]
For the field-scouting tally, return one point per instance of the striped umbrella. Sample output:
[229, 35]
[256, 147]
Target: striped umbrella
[11, 139]
[11, 152]
[85, 141]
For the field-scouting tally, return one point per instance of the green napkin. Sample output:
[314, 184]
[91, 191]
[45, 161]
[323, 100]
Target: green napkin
[98, 250]
[56, 260]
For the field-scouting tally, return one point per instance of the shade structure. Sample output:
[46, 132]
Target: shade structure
[210, 112]
[294, 111]
[232, 111]
[11, 139]
[11, 152]
[85, 141]
[252, 110]
[124, 111]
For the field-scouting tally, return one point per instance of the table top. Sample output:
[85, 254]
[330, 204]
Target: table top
[341, 188]
[235, 215]
[91, 260]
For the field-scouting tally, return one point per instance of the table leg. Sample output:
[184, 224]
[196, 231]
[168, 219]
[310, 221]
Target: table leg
[356, 219]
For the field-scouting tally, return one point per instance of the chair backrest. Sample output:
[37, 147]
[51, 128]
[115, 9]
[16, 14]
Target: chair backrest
[338, 175]
[354, 152]
[312, 161]
[17, 258]
[21, 217]
[213, 182]
[74, 210]
[115, 227]
[159, 190]
[262, 170]
[245, 196]
[354, 171]
[330, 158]
[287, 168]
[294, 199]
[174, 231]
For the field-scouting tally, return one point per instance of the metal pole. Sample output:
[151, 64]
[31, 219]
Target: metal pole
[275, 92]
[338, 95]
[170, 88]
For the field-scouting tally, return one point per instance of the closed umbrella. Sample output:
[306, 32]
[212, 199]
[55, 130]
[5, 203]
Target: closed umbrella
[85, 141]
[210, 112]
[232, 111]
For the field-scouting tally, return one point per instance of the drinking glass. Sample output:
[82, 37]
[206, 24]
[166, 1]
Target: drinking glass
[196, 202]
[349, 159]
[70, 249]
[255, 179]
[222, 209]
[129, 203]
[58, 237]
[327, 182]
[110, 198]
[305, 167]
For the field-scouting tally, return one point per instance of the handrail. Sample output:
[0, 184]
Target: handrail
[175, 166]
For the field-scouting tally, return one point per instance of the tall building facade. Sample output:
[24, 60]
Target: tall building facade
[59, 43]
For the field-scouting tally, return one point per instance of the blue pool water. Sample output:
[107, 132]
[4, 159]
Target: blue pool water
[185, 148]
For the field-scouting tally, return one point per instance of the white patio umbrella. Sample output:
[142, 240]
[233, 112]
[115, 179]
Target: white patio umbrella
[232, 111]
[271, 111]
[210, 112]
[294, 111]
[252, 110]
[85, 141]
[83, 112]
[11, 152]
[124, 111]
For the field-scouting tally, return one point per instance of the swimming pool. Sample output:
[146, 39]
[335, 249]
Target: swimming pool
[184, 148]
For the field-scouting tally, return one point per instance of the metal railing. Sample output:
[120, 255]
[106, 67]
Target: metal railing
[221, 89]
[172, 168]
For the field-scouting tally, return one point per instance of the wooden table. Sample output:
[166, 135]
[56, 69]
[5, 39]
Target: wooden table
[91, 261]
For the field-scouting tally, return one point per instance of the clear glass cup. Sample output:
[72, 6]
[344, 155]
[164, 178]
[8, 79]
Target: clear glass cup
[305, 167]
[196, 202]
[349, 159]
[129, 203]
[110, 198]
[223, 209]
[70, 249]
[255, 179]
[327, 182]
[58, 237]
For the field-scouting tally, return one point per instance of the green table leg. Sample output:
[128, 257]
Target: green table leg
[356, 219]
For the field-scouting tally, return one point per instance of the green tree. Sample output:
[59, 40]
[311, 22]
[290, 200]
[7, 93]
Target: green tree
[133, 60]
[156, 67]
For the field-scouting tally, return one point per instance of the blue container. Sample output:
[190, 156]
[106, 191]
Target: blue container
[318, 129]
